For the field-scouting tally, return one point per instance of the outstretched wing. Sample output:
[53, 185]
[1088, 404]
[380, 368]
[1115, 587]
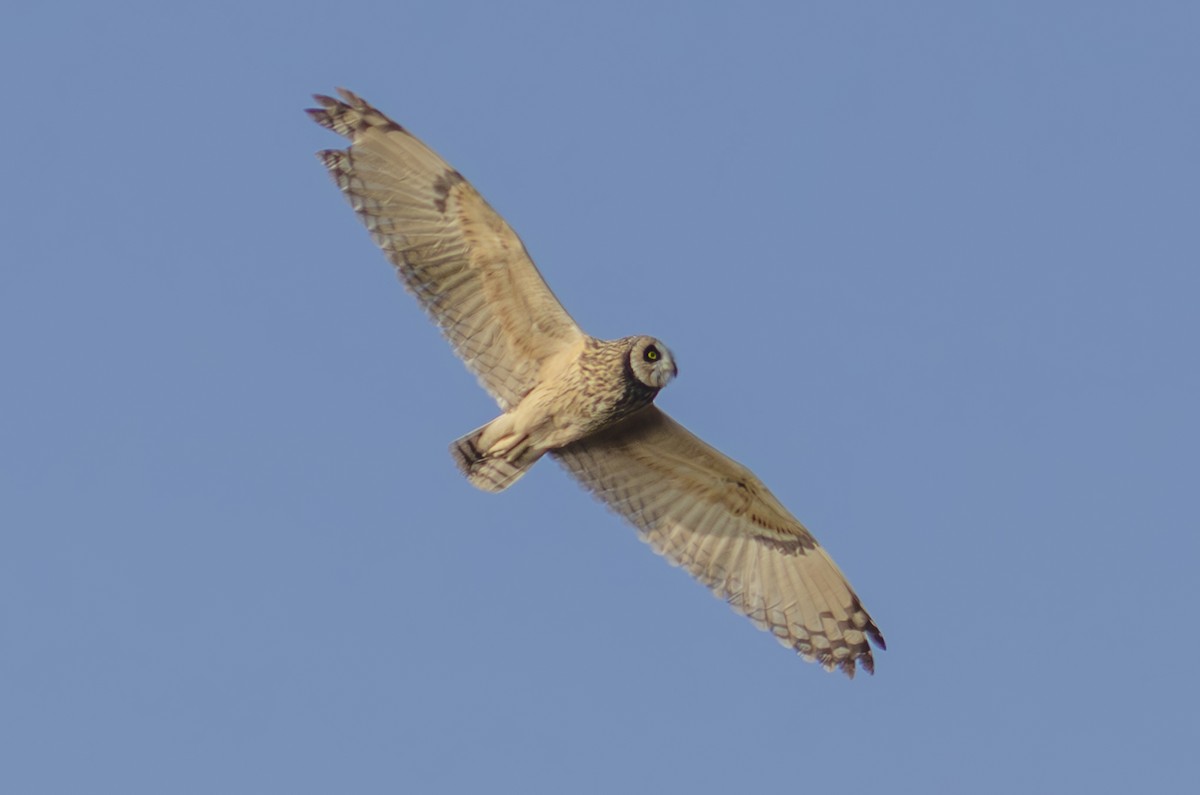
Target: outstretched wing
[466, 266]
[709, 514]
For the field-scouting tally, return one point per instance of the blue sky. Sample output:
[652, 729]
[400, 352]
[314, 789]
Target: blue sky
[930, 269]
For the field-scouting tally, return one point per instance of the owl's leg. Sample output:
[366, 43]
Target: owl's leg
[495, 456]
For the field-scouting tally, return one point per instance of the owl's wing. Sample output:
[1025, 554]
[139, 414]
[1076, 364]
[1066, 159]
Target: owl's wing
[709, 514]
[466, 266]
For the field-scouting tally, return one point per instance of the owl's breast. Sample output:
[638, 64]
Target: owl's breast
[593, 392]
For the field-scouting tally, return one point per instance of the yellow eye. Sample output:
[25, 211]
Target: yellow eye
[651, 354]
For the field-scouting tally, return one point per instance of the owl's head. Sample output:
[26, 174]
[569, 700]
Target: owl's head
[651, 362]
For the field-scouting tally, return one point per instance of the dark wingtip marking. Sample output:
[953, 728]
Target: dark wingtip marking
[351, 114]
[351, 97]
[331, 158]
[321, 117]
[871, 630]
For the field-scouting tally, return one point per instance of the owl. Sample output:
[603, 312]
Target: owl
[587, 403]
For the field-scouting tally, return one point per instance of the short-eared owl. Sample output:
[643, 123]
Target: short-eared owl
[589, 403]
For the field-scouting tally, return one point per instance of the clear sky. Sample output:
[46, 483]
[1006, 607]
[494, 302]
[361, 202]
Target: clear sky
[931, 269]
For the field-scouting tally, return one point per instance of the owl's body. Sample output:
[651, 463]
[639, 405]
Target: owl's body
[589, 387]
[587, 402]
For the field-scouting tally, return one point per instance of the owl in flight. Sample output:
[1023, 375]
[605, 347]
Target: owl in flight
[587, 402]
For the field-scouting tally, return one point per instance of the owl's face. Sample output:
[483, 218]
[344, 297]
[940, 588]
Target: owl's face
[651, 362]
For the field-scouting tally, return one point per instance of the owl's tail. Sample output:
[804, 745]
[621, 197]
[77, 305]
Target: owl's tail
[495, 468]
